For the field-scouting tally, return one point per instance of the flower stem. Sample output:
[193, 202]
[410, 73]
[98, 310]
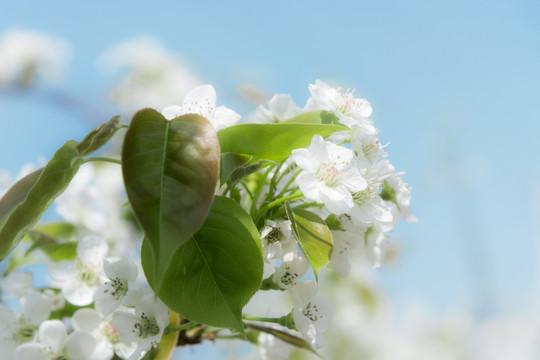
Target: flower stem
[106, 159]
[294, 196]
[186, 326]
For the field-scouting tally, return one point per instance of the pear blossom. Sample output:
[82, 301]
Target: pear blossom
[281, 107]
[344, 241]
[55, 343]
[329, 175]
[154, 78]
[107, 339]
[17, 329]
[122, 274]
[277, 239]
[145, 326]
[202, 100]
[292, 268]
[26, 54]
[272, 348]
[16, 284]
[375, 245]
[349, 110]
[312, 314]
[80, 279]
[399, 197]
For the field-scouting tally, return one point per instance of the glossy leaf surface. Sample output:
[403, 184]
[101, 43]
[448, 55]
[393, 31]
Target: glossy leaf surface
[170, 171]
[273, 142]
[213, 276]
[313, 236]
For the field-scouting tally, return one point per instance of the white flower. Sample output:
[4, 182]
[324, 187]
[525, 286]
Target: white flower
[79, 279]
[25, 54]
[55, 343]
[281, 107]
[329, 174]
[16, 284]
[16, 329]
[107, 339]
[277, 239]
[145, 326]
[292, 268]
[312, 314]
[375, 245]
[155, 78]
[122, 274]
[367, 146]
[350, 110]
[344, 241]
[202, 101]
[272, 348]
[400, 198]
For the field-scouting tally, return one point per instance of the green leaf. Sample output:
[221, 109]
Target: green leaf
[170, 171]
[22, 206]
[55, 240]
[213, 276]
[313, 236]
[273, 142]
[99, 136]
[229, 163]
[316, 117]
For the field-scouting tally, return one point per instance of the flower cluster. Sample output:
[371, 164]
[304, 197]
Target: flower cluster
[297, 205]
[125, 318]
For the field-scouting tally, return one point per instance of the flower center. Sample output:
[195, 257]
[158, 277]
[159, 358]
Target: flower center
[311, 312]
[289, 277]
[146, 327]
[274, 235]
[117, 288]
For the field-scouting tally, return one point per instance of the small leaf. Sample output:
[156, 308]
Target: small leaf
[170, 171]
[22, 206]
[313, 236]
[273, 142]
[229, 163]
[316, 117]
[99, 136]
[388, 193]
[213, 276]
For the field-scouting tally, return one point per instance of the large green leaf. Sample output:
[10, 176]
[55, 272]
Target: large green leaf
[213, 276]
[99, 136]
[23, 205]
[170, 171]
[273, 142]
[313, 236]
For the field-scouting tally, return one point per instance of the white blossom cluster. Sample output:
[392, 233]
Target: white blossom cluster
[26, 54]
[124, 317]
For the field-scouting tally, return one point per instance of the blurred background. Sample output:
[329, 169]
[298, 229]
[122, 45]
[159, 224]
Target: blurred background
[455, 90]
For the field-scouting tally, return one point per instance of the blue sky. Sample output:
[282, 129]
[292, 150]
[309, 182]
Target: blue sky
[453, 84]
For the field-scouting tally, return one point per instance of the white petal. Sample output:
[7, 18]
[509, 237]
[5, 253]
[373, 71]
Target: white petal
[52, 333]
[170, 112]
[201, 100]
[30, 351]
[223, 117]
[92, 250]
[78, 293]
[36, 308]
[124, 322]
[86, 320]
[79, 345]
[16, 284]
[123, 268]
